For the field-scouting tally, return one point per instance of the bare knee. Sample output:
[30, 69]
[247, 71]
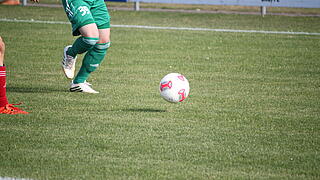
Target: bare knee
[104, 35]
[90, 30]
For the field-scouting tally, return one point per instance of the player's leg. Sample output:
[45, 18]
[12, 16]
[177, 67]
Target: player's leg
[5, 107]
[3, 97]
[2, 50]
[89, 37]
[91, 62]
[95, 56]
[83, 24]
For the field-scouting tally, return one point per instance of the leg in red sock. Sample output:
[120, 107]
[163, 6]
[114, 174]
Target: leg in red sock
[3, 97]
[5, 107]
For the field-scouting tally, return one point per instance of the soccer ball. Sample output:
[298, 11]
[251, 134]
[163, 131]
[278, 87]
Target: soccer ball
[174, 87]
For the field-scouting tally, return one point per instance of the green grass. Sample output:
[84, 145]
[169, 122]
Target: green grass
[253, 111]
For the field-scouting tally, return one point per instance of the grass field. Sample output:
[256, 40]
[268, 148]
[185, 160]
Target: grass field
[253, 110]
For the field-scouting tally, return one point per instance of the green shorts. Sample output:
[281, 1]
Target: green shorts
[83, 12]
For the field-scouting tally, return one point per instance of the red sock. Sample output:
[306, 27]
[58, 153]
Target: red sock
[3, 97]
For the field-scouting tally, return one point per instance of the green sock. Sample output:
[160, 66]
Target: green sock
[81, 45]
[91, 61]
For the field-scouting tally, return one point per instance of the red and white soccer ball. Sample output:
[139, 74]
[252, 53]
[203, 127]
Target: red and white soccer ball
[174, 87]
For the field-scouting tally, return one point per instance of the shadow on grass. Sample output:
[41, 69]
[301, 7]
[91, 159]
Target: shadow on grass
[143, 110]
[34, 89]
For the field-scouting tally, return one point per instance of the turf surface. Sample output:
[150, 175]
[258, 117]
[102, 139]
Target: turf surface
[253, 110]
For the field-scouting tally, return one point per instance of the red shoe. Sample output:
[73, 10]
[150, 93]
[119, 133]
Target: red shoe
[10, 109]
